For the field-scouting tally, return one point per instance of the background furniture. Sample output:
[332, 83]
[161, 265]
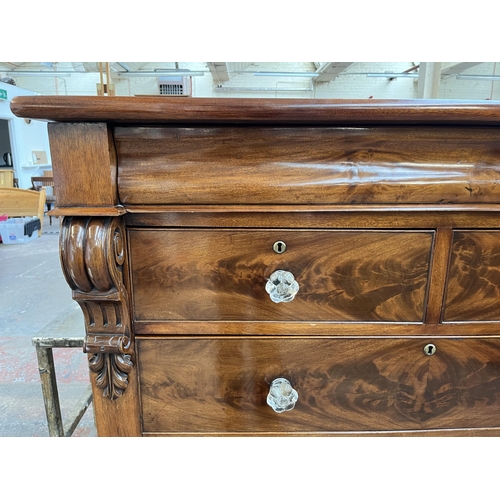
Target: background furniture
[46, 182]
[282, 266]
[6, 177]
[17, 202]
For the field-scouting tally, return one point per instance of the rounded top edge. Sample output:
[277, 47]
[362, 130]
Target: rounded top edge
[198, 110]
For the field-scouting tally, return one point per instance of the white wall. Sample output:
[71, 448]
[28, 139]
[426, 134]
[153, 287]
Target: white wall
[451, 88]
[352, 84]
[24, 137]
[359, 86]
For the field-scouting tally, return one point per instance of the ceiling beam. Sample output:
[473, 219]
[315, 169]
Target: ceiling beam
[330, 70]
[219, 71]
[457, 68]
[10, 66]
[429, 79]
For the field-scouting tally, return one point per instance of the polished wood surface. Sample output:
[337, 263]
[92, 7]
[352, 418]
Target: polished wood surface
[266, 111]
[368, 209]
[218, 385]
[119, 418]
[95, 264]
[346, 217]
[474, 281]
[89, 211]
[476, 432]
[318, 328]
[84, 164]
[221, 275]
[391, 214]
[307, 165]
[440, 260]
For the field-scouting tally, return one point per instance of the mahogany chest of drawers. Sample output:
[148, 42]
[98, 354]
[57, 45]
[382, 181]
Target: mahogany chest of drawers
[282, 267]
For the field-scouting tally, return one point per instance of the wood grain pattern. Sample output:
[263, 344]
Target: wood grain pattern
[473, 291]
[221, 385]
[307, 165]
[439, 271]
[84, 165]
[6, 177]
[121, 417]
[221, 275]
[373, 208]
[360, 191]
[354, 217]
[482, 432]
[89, 211]
[265, 111]
[375, 329]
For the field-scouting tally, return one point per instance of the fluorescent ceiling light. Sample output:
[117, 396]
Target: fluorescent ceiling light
[161, 73]
[39, 73]
[478, 77]
[286, 73]
[392, 75]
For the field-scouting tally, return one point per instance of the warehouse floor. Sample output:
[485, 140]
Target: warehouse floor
[36, 301]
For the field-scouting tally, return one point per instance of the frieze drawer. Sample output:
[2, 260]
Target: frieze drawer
[218, 385]
[222, 275]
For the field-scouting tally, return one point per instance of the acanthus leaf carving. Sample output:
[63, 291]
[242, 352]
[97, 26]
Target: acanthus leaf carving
[112, 373]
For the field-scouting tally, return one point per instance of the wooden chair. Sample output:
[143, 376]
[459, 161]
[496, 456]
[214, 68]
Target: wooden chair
[47, 183]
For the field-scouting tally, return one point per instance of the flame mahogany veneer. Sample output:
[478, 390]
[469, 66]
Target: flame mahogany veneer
[390, 215]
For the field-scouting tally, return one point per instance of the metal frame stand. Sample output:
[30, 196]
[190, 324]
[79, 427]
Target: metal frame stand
[44, 346]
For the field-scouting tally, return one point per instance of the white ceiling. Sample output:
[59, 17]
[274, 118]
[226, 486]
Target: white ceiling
[223, 71]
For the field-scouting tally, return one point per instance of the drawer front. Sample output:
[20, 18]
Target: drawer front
[218, 275]
[221, 385]
[306, 165]
[473, 291]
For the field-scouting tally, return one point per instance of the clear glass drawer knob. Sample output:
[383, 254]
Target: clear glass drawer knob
[281, 286]
[282, 396]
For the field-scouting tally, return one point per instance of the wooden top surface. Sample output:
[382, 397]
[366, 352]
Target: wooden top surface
[253, 111]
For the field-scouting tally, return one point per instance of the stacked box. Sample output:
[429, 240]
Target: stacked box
[19, 229]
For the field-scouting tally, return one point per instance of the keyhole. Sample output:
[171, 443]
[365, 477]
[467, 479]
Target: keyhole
[430, 349]
[279, 247]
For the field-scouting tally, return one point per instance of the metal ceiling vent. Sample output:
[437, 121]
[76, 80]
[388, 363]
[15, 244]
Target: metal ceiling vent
[174, 85]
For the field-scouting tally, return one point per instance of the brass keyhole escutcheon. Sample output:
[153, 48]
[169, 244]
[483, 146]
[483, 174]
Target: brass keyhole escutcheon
[430, 349]
[279, 247]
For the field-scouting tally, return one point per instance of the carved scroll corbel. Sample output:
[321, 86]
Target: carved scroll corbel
[93, 258]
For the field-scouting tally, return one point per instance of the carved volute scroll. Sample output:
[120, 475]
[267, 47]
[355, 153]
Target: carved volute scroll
[93, 258]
